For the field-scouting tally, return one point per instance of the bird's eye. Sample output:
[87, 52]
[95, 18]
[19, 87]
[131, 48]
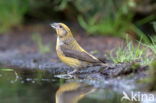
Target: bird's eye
[60, 26]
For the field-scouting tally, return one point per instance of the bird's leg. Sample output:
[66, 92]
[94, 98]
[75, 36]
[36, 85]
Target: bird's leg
[72, 72]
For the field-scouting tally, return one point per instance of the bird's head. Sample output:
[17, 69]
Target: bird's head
[62, 30]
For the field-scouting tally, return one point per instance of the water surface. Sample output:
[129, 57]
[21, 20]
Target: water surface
[41, 87]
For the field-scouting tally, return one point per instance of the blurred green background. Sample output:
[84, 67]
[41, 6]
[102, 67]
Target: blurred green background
[137, 18]
[98, 17]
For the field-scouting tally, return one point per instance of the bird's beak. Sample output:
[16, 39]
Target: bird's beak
[54, 25]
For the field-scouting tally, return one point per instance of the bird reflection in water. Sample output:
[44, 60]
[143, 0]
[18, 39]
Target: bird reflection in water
[72, 92]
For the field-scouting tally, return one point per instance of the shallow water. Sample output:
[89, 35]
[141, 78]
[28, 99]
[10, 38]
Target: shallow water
[41, 87]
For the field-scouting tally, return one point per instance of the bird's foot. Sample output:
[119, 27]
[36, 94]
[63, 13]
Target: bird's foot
[68, 75]
[64, 76]
[72, 72]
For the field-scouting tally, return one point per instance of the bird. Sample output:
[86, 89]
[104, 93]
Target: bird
[70, 52]
[73, 92]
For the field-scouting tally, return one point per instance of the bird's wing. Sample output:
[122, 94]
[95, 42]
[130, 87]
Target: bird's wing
[80, 55]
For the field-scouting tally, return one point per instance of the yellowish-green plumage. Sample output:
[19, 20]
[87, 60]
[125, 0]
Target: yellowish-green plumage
[69, 51]
[75, 63]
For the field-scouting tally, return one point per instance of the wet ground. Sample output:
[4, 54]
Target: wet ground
[31, 72]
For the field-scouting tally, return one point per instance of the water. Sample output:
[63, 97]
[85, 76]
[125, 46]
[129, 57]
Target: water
[41, 87]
